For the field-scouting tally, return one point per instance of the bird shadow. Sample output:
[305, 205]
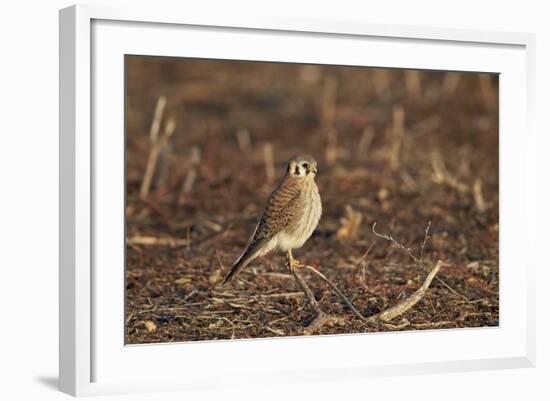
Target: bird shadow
[52, 382]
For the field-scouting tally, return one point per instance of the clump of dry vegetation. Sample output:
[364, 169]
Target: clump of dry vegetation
[206, 142]
[349, 224]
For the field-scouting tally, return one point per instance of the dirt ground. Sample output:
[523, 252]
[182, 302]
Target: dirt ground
[397, 147]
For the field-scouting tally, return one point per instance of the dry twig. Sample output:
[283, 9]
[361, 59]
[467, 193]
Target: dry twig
[157, 118]
[365, 142]
[337, 291]
[450, 83]
[381, 82]
[387, 314]
[155, 241]
[409, 302]
[307, 292]
[477, 191]
[328, 118]
[397, 133]
[191, 176]
[156, 144]
[165, 151]
[442, 176]
[413, 83]
[269, 162]
[349, 224]
[243, 138]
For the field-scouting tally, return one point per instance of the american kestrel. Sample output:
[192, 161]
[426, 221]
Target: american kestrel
[291, 214]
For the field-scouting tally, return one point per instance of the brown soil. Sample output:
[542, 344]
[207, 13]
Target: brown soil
[400, 181]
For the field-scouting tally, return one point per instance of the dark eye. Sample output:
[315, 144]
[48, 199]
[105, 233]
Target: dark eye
[304, 165]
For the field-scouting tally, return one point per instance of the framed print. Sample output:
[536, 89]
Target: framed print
[263, 199]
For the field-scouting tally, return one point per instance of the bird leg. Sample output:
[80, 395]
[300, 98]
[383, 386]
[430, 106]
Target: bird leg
[293, 264]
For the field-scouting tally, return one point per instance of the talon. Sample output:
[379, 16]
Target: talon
[291, 262]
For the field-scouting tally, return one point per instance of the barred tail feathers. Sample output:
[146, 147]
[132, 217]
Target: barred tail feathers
[249, 254]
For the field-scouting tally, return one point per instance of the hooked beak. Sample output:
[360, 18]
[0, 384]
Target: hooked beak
[314, 169]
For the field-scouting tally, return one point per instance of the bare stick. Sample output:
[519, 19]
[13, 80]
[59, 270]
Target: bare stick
[164, 154]
[157, 118]
[398, 121]
[391, 313]
[328, 105]
[418, 261]
[310, 74]
[412, 83]
[380, 81]
[283, 295]
[269, 162]
[349, 224]
[155, 241]
[156, 146]
[149, 171]
[397, 133]
[398, 245]
[430, 325]
[403, 306]
[328, 117]
[337, 291]
[275, 331]
[453, 290]
[442, 176]
[426, 237]
[450, 83]
[409, 302]
[190, 177]
[477, 191]
[320, 321]
[331, 151]
[365, 142]
[283, 276]
[408, 181]
[189, 181]
[307, 291]
[243, 138]
[428, 125]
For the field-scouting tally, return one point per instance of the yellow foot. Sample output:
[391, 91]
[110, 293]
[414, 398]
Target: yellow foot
[294, 264]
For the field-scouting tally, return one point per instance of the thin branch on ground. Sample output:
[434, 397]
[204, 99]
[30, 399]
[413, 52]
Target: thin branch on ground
[308, 293]
[156, 142]
[155, 241]
[337, 291]
[399, 245]
[426, 237]
[390, 313]
[397, 310]
[418, 261]
[442, 176]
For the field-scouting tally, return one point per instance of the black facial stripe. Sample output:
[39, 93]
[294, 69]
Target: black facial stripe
[296, 170]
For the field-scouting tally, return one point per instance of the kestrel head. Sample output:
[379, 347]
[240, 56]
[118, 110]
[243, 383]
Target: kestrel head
[302, 166]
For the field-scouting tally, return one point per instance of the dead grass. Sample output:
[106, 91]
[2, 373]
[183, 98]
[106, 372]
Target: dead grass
[235, 126]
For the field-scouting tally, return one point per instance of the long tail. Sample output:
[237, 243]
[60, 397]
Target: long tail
[249, 254]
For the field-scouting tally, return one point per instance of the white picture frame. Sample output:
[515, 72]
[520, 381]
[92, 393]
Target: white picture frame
[93, 357]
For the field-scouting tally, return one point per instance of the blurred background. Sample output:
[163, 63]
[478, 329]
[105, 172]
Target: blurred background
[207, 141]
